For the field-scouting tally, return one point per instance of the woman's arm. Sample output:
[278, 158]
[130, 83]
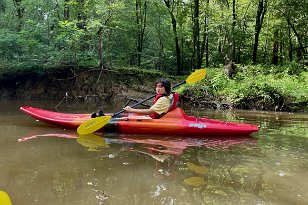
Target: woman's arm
[139, 111]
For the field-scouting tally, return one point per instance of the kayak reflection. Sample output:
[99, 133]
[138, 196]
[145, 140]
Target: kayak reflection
[175, 145]
[166, 150]
[173, 155]
[146, 144]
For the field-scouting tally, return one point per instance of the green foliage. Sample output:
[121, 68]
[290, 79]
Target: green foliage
[40, 35]
[8, 44]
[69, 41]
[256, 87]
[142, 72]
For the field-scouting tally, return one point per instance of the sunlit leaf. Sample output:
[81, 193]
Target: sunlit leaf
[194, 181]
[197, 169]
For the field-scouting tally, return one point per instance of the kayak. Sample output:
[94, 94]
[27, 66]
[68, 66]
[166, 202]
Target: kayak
[175, 122]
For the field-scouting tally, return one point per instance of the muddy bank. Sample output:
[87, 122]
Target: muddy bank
[90, 84]
[108, 85]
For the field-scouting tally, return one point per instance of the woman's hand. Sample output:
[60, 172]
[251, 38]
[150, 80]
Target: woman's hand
[128, 109]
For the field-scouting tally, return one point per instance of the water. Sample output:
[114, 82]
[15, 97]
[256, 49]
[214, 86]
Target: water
[41, 164]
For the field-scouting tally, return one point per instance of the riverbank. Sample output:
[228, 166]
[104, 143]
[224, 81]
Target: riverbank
[250, 88]
[81, 84]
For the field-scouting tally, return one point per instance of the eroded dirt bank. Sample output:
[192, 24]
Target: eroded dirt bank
[82, 84]
[99, 85]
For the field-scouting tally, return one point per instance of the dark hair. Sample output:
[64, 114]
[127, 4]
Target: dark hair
[165, 83]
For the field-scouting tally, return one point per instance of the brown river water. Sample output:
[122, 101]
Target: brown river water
[43, 164]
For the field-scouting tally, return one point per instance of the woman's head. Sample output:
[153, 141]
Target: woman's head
[163, 86]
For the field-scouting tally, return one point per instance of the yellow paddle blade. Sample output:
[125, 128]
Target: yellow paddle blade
[196, 76]
[93, 125]
[4, 198]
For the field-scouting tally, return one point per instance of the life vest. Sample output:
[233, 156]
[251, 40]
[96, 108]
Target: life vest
[175, 101]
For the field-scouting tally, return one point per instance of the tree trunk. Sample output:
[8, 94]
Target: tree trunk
[81, 17]
[161, 42]
[66, 12]
[238, 56]
[232, 55]
[290, 47]
[275, 49]
[301, 48]
[176, 38]
[100, 47]
[259, 21]
[196, 36]
[100, 40]
[20, 13]
[206, 36]
[141, 24]
[207, 48]
[205, 44]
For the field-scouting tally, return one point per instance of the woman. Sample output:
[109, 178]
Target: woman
[163, 102]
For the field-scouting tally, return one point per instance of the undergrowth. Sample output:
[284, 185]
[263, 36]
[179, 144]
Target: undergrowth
[254, 87]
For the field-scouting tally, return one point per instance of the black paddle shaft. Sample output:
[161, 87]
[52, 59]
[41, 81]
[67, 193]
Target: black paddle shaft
[142, 101]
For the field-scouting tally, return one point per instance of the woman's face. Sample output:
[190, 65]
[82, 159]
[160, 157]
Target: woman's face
[160, 90]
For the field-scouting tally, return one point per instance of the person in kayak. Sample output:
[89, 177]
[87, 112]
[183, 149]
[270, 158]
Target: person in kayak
[164, 101]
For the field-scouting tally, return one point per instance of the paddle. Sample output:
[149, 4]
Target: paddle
[94, 124]
[4, 198]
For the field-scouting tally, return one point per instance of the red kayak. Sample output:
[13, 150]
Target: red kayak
[175, 122]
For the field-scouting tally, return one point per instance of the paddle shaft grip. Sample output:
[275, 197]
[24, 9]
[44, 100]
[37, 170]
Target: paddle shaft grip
[142, 101]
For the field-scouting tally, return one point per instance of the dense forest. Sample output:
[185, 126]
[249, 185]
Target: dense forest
[173, 36]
